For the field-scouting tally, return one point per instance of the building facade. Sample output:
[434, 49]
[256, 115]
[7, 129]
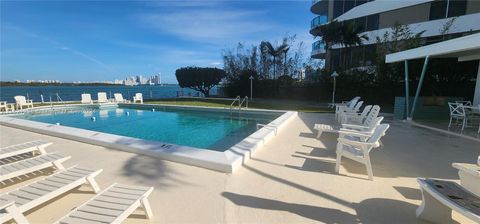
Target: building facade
[379, 16]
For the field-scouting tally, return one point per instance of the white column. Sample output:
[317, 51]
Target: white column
[476, 96]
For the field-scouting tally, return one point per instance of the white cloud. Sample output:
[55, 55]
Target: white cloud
[208, 25]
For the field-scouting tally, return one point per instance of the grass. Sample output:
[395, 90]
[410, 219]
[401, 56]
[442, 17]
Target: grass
[301, 106]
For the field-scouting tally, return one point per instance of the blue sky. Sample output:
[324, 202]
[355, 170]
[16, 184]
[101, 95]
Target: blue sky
[89, 41]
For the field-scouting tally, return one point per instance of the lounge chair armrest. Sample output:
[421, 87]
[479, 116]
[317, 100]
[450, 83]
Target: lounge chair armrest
[354, 143]
[354, 126]
[344, 132]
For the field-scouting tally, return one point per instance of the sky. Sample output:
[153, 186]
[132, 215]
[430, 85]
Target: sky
[107, 40]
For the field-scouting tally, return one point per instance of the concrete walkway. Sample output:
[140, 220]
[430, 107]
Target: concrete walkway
[290, 180]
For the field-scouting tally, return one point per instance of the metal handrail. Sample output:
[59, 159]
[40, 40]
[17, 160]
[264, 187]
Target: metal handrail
[235, 100]
[59, 99]
[245, 99]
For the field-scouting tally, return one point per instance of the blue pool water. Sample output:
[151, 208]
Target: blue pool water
[202, 129]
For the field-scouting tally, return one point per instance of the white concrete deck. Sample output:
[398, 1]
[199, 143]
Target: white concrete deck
[291, 180]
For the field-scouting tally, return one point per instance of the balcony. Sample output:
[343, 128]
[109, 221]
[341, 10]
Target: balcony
[318, 21]
[318, 49]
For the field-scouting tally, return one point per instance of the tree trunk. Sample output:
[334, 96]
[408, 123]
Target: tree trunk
[274, 68]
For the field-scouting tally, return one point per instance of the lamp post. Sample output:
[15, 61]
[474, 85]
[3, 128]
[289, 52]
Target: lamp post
[334, 75]
[251, 87]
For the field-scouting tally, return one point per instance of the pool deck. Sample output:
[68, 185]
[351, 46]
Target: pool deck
[291, 180]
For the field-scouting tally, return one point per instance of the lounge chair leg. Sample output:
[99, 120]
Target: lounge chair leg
[16, 214]
[93, 184]
[319, 134]
[58, 165]
[146, 207]
[369, 168]
[339, 160]
[432, 210]
[42, 150]
[450, 123]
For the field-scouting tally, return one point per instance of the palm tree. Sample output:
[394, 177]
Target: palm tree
[275, 52]
[330, 34]
[345, 33]
[351, 36]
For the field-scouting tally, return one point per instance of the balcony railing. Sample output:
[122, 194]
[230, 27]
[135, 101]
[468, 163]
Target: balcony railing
[319, 20]
[318, 45]
[318, 48]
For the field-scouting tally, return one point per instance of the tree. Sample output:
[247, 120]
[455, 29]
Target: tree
[199, 79]
[275, 52]
[400, 38]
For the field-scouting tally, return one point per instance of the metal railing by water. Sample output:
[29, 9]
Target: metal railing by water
[240, 101]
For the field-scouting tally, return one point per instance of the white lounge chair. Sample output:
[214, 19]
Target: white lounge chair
[30, 165]
[440, 197]
[18, 149]
[48, 188]
[367, 124]
[87, 98]
[3, 106]
[344, 105]
[21, 101]
[119, 98]
[138, 98]
[102, 97]
[358, 150]
[112, 205]
[345, 110]
[367, 130]
[355, 117]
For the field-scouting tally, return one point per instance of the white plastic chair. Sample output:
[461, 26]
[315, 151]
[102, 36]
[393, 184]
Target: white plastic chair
[344, 105]
[3, 106]
[353, 109]
[87, 98]
[138, 98]
[102, 97]
[457, 112]
[21, 101]
[119, 98]
[356, 117]
[359, 150]
[464, 102]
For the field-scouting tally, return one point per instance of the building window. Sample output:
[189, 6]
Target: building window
[337, 8]
[360, 2]
[447, 8]
[361, 22]
[438, 9]
[372, 22]
[457, 8]
[349, 4]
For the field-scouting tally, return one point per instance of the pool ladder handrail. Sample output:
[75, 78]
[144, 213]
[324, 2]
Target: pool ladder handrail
[240, 103]
[235, 100]
[245, 100]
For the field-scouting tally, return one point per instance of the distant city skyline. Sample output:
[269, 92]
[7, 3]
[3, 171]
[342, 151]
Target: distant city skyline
[128, 81]
[83, 41]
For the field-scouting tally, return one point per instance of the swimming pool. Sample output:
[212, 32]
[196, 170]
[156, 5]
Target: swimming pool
[213, 130]
[214, 138]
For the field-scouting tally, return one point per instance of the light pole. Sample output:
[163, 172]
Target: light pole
[334, 75]
[251, 87]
